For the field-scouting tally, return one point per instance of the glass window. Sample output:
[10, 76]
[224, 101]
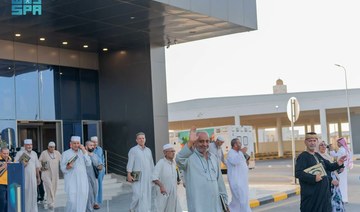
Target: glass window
[266, 134]
[69, 93]
[7, 130]
[299, 133]
[70, 128]
[89, 87]
[46, 92]
[345, 129]
[7, 90]
[27, 91]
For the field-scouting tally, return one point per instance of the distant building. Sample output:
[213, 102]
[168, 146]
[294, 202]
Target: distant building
[324, 112]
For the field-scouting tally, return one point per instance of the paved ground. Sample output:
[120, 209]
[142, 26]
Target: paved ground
[269, 177]
[293, 203]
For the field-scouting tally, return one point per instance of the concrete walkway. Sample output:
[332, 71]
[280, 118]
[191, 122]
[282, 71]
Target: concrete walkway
[118, 192]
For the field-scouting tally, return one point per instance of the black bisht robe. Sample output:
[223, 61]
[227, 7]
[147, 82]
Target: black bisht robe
[315, 196]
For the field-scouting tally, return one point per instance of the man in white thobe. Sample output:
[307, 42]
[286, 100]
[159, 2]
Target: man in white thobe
[204, 182]
[75, 176]
[215, 148]
[237, 172]
[90, 170]
[140, 159]
[165, 176]
[32, 176]
[50, 161]
[343, 176]
[101, 167]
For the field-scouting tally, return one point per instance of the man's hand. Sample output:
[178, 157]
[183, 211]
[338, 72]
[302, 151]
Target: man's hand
[83, 149]
[342, 160]
[163, 190]
[244, 150]
[192, 137]
[69, 166]
[38, 180]
[130, 179]
[335, 182]
[100, 167]
[318, 178]
[330, 147]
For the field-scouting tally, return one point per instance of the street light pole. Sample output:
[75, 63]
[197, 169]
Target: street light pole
[348, 109]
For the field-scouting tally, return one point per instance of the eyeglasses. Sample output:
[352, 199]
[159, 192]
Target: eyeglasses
[322, 145]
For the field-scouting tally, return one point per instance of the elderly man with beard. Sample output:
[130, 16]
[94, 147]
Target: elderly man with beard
[32, 175]
[4, 160]
[73, 164]
[315, 191]
[92, 176]
[50, 160]
[165, 176]
[205, 188]
[101, 167]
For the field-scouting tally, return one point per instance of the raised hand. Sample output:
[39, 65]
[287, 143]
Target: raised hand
[342, 160]
[192, 136]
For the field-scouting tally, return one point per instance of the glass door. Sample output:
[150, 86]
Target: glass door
[91, 128]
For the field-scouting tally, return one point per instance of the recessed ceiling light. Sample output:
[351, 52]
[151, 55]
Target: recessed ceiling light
[105, 49]
[42, 39]
[17, 35]
[85, 46]
[132, 17]
[64, 42]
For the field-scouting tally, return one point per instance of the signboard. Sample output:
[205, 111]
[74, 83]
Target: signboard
[25, 7]
[16, 186]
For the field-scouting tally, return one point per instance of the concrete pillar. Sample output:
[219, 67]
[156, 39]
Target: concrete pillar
[312, 125]
[256, 140]
[339, 129]
[237, 120]
[279, 137]
[324, 126]
[160, 111]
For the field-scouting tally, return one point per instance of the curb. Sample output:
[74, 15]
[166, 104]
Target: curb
[274, 198]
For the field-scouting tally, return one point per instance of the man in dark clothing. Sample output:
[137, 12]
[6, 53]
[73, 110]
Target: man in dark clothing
[315, 192]
[4, 160]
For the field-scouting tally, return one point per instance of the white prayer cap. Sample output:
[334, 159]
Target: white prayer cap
[168, 146]
[75, 138]
[94, 138]
[52, 143]
[27, 141]
[220, 138]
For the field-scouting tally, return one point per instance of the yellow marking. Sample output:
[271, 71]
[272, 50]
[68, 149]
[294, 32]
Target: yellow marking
[279, 197]
[254, 203]
[297, 191]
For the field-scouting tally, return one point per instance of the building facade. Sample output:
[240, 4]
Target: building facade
[98, 67]
[323, 112]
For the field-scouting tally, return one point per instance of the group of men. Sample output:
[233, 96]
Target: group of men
[82, 166]
[155, 187]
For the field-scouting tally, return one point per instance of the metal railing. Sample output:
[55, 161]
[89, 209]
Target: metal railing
[115, 163]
